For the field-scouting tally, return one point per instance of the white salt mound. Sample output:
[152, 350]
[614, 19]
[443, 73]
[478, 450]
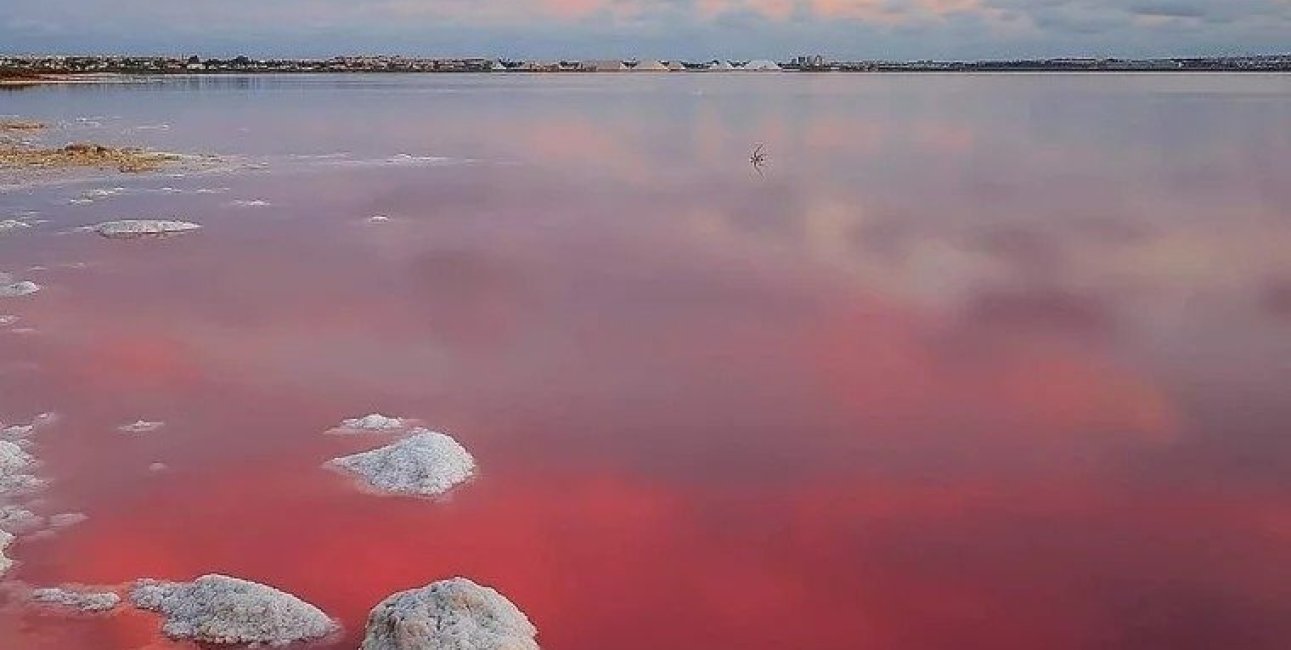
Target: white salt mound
[371, 422]
[141, 426]
[452, 614]
[143, 228]
[220, 609]
[5, 540]
[82, 601]
[426, 463]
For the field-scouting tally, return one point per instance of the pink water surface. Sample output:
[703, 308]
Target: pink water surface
[977, 363]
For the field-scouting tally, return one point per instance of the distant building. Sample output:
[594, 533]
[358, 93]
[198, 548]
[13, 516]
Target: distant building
[650, 66]
[605, 65]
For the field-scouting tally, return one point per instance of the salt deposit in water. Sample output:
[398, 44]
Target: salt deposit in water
[370, 422]
[243, 203]
[455, 614]
[67, 519]
[129, 228]
[84, 601]
[8, 225]
[220, 609]
[141, 426]
[426, 463]
[9, 288]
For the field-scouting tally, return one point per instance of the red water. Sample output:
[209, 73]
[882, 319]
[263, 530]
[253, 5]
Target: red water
[930, 382]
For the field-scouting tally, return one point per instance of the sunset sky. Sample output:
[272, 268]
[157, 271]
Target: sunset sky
[897, 29]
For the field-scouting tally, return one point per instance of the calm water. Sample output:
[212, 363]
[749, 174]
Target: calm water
[979, 362]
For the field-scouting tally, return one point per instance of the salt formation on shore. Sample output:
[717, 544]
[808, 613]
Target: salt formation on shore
[220, 609]
[128, 228]
[14, 466]
[12, 224]
[371, 422]
[427, 463]
[18, 520]
[84, 601]
[452, 614]
[141, 426]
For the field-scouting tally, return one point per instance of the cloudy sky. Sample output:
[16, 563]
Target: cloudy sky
[896, 29]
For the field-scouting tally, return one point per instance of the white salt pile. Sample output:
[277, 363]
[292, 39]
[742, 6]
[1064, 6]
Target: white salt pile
[141, 426]
[143, 228]
[87, 601]
[452, 614]
[220, 609]
[426, 463]
[5, 540]
[370, 422]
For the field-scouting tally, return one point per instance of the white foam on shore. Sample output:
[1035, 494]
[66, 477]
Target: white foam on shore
[426, 463]
[220, 609]
[455, 614]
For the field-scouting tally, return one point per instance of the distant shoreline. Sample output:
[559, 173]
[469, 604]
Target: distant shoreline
[34, 70]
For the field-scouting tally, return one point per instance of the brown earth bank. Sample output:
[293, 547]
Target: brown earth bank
[20, 125]
[83, 155]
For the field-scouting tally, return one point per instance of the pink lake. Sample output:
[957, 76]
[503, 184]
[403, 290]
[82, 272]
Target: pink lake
[977, 361]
